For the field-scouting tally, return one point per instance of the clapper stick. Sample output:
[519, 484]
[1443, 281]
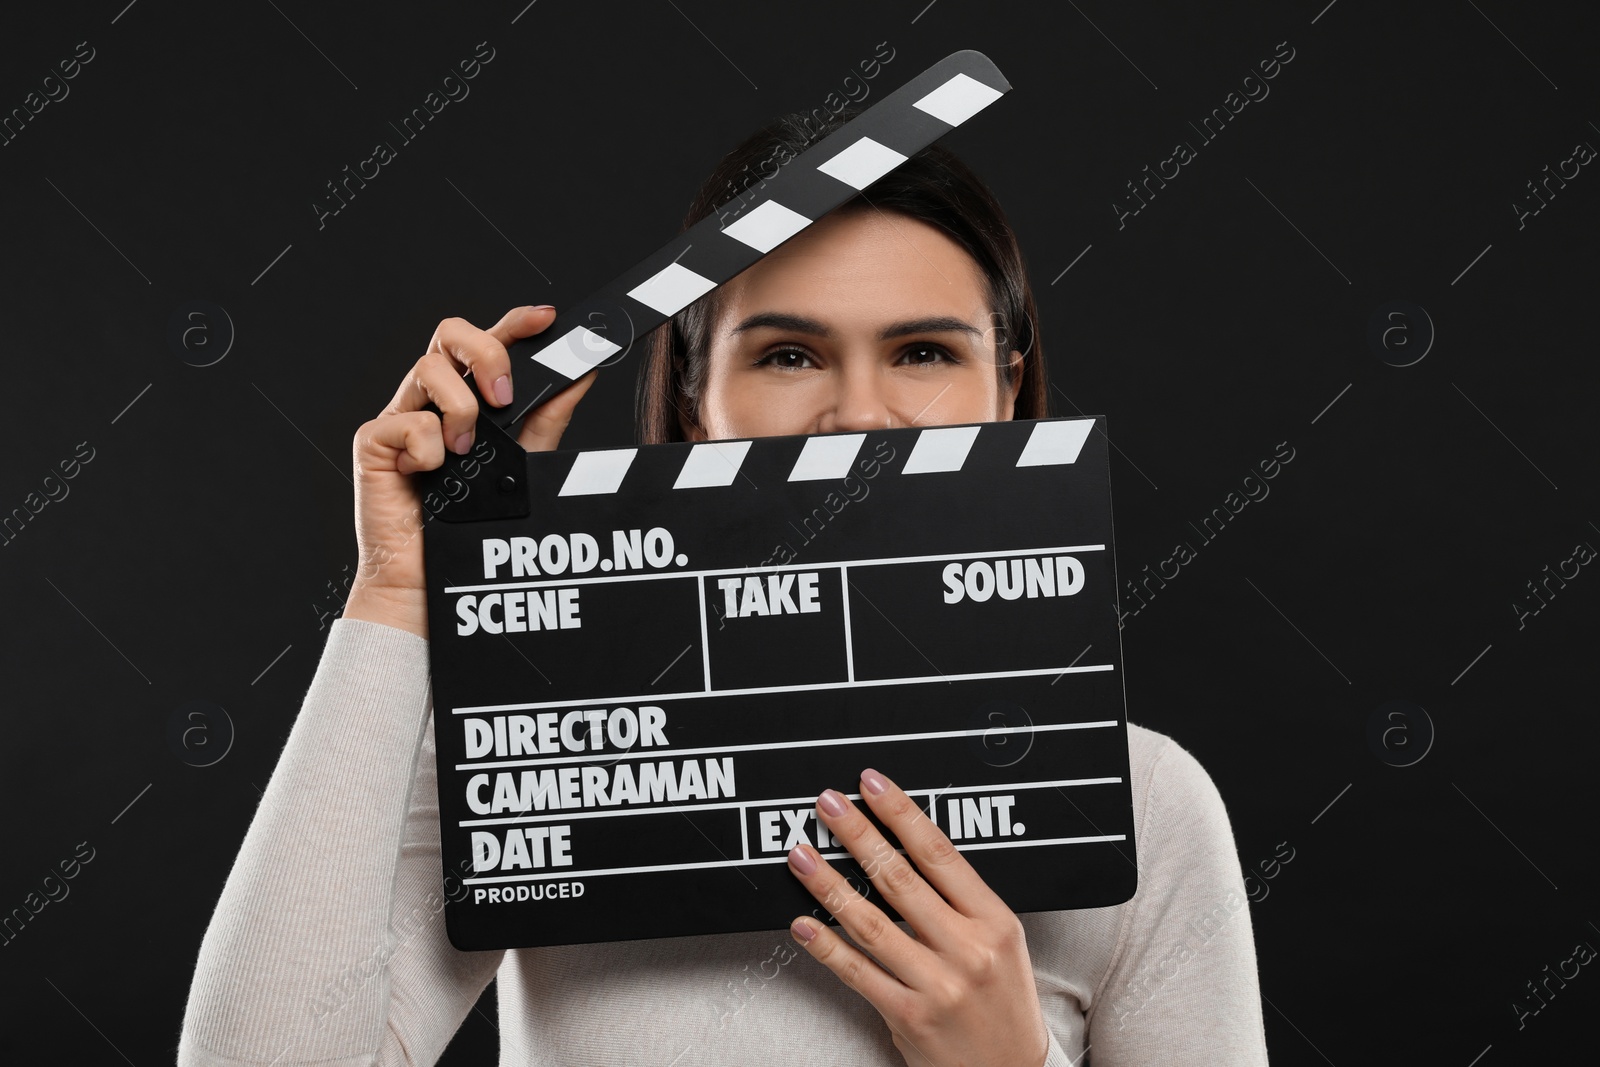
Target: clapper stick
[647, 661]
[601, 329]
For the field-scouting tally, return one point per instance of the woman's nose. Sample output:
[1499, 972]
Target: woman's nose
[860, 402]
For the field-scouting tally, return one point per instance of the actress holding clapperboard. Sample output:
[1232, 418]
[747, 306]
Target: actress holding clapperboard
[329, 945]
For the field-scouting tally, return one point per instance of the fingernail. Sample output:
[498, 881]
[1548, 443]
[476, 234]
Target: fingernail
[802, 862]
[544, 307]
[803, 930]
[502, 389]
[830, 802]
[463, 443]
[874, 781]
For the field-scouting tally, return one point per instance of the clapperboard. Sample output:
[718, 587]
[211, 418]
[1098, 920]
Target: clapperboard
[647, 662]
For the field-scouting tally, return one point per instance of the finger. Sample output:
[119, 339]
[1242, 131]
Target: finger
[435, 379]
[542, 428]
[458, 347]
[865, 922]
[902, 887]
[482, 353]
[522, 322]
[940, 864]
[881, 989]
[405, 442]
[513, 326]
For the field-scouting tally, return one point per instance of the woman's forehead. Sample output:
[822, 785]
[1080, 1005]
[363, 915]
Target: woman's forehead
[859, 267]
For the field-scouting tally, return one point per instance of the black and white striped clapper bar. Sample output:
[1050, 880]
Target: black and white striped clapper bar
[601, 329]
[647, 662]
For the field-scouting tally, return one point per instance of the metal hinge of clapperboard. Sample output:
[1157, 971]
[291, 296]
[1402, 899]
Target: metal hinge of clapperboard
[490, 482]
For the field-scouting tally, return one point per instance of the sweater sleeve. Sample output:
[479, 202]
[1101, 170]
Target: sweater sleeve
[1055, 1055]
[1182, 987]
[328, 945]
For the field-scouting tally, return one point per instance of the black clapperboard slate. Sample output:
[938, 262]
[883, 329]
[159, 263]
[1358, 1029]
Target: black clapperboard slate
[647, 662]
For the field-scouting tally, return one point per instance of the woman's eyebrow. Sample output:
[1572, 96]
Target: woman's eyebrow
[933, 324]
[800, 324]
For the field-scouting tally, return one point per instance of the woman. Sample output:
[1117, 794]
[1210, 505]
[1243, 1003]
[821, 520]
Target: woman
[907, 306]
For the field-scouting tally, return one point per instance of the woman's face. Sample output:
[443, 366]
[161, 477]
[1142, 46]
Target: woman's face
[865, 320]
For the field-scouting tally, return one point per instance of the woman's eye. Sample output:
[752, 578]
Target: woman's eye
[785, 359]
[927, 354]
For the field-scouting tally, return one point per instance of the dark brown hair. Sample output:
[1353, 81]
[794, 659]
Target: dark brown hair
[933, 186]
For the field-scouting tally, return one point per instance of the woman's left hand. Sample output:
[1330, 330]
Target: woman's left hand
[961, 991]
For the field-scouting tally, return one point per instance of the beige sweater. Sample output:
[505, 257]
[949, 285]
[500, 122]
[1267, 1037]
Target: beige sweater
[328, 945]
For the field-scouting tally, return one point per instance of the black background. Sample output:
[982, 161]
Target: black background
[192, 554]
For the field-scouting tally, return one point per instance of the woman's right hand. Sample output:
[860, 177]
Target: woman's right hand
[389, 586]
